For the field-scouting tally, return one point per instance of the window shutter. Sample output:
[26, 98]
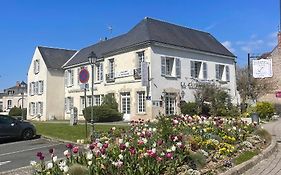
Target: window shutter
[163, 66]
[217, 71]
[192, 69]
[34, 66]
[29, 108]
[72, 101]
[38, 66]
[41, 108]
[178, 67]
[227, 73]
[65, 104]
[65, 78]
[205, 71]
[29, 88]
[101, 71]
[78, 71]
[72, 77]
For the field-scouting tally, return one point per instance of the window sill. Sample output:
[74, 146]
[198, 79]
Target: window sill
[222, 81]
[170, 76]
[141, 113]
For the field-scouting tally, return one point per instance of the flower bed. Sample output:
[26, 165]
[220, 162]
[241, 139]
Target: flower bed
[172, 145]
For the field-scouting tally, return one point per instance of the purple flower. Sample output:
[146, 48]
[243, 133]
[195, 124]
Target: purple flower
[122, 146]
[169, 155]
[41, 157]
[39, 154]
[51, 151]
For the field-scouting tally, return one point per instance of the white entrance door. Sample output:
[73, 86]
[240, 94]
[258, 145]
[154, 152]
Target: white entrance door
[170, 103]
[125, 105]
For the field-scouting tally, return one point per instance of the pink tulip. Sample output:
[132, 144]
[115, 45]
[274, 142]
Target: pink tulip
[169, 155]
[69, 146]
[75, 149]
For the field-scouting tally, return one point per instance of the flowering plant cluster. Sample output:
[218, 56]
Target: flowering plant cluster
[159, 147]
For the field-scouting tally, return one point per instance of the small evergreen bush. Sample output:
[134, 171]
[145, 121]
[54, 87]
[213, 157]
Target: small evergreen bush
[189, 108]
[103, 113]
[265, 110]
[15, 111]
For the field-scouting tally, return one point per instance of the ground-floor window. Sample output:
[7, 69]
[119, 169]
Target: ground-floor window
[141, 102]
[68, 104]
[9, 104]
[125, 103]
[170, 103]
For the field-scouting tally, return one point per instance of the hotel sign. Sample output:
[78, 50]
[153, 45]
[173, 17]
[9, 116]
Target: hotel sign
[262, 68]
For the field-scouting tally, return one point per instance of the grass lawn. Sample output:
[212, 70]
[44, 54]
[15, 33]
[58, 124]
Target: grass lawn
[247, 155]
[66, 132]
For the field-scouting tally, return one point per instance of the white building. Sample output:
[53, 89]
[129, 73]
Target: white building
[178, 59]
[46, 83]
[14, 97]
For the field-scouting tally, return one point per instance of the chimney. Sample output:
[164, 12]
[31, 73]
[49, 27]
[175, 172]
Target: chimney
[17, 84]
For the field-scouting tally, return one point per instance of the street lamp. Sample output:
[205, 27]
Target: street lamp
[249, 74]
[92, 60]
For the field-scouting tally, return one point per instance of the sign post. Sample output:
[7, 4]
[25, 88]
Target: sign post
[84, 78]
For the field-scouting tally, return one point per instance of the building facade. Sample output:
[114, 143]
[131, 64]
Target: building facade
[150, 69]
[46, 83]
[14, 97]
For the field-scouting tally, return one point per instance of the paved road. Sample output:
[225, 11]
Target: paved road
[19, 154]
[272, 165]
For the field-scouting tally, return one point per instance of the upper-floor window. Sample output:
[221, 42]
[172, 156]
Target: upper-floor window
[170, 67]
[222, 72]
[69, 77]
[9, 104]
[111, 68]
[36, 66]
[198, 69]
[40, 87]
[140, 56]
[99, 76]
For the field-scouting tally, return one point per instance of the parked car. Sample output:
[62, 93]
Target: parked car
[11, 127]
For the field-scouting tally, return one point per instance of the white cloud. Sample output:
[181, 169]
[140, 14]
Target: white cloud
[228, 45]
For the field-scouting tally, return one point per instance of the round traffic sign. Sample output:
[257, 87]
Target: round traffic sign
[84, 75]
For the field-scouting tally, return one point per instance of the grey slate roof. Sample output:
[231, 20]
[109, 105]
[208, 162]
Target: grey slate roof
[54, 58]
[151, 30]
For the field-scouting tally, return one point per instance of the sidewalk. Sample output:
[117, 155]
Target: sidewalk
[271, 165]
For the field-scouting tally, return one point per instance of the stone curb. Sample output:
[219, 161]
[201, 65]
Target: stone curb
[243, 167]
[60, 140]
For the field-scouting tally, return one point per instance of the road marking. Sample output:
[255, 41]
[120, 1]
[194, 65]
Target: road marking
[28, 149]
[3, 163]
[24, 141]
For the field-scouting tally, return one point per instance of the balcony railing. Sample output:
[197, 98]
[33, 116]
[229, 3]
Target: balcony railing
[110, 78]
[137, 73]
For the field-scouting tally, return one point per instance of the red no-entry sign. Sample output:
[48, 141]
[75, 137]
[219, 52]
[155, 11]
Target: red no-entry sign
[84, 76]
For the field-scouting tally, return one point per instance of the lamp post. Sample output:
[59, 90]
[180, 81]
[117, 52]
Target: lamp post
[92, 60]
[249, 73]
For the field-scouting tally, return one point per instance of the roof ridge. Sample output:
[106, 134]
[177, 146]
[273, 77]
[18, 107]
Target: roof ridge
[174, 24]
[57, 48]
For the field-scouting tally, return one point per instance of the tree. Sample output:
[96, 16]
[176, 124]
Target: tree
[218, 99]
[252, 88]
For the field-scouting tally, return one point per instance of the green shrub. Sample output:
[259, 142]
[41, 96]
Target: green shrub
[265, 110]
[189, 108]
[103, 113]
[15, 111]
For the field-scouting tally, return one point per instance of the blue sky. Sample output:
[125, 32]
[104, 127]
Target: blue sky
[241, 25]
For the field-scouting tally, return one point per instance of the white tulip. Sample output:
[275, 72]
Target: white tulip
[50, 165]
[55, 158]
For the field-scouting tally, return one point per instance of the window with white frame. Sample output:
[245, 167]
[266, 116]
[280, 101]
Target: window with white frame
[9, 104]
[97, 100]
[141, 102]
[140, 57]
[68, 104]
[222, 72]
[69, 78]
[99, 72]
[78, 72]
[40, 87]
[170, 67]
[32, 108]
[170, 103]
[89, 100]
[82, 104]
[39, 108]
[36, 66]
[111, 69]
[36, 90]
[198, 69]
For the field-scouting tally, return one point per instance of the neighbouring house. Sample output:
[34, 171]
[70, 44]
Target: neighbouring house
[46, 83]
[275, 96]
[150, 69]
[1, 101]
[14, 96]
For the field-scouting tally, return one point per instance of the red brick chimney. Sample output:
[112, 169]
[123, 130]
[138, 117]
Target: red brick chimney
[279, 39]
